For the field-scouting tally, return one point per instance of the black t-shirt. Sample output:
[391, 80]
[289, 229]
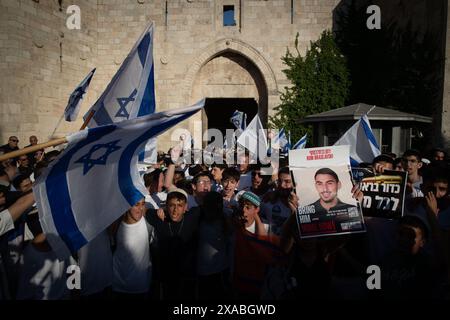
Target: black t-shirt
[338, 208]
[176, 244]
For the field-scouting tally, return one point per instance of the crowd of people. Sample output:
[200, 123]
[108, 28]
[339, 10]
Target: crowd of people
[228, 231]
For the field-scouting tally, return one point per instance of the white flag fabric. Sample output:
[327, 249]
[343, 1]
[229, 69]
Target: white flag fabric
[363, 145]
[74, 103]
[300, 144]
[150, 153]
[254, 137]
[96, 179]
[131, 92]
[281, 141]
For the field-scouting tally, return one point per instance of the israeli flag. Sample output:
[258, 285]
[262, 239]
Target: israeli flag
[150, 153]
[282, 141]
[254, 137]
[239, 120]
[363, 145]
[96, 179]
[301, 144]
[74, 103]
[131, 92]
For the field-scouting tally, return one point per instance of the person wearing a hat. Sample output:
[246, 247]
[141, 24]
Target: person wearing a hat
[249, 205]
[254, 250]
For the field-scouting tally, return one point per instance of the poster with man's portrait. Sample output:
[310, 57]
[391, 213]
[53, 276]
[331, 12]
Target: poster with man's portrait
[324, 185]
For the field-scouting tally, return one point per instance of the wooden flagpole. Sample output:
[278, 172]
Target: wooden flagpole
[21, 152]
[51, 143]
[88, 118]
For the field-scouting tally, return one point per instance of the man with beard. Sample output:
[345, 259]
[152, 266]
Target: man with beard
[278, 205]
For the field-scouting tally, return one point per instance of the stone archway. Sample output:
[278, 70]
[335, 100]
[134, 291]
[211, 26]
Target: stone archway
[230, 68]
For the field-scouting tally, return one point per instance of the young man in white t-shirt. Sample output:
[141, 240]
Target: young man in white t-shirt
[132, 264]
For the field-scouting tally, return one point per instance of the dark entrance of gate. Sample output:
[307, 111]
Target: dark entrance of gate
[219, 110]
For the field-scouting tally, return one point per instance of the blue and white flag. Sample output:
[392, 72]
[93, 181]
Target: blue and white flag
[74, 103]
[239, 120]
[96, 179]
[254, 138]
[300, 144]
[281, 141]
[150, 153]
[363, 145]
[131, 92]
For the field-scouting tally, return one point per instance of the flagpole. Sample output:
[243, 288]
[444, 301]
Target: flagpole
[57, 125]
[88, 118]
[21, 152]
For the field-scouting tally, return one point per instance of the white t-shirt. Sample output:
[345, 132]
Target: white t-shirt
[6, 222]
[96, 264]
[252, 227]
[132, 267]
[274, 214]
[42, 276]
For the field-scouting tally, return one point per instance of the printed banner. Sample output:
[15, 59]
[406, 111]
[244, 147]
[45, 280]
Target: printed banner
[384, 194]
[323, 184]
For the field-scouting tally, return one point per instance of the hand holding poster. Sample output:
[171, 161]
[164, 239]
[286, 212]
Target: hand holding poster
[384, 194]
[324, 187]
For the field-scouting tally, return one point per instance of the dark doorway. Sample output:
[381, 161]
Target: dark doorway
[219, 110]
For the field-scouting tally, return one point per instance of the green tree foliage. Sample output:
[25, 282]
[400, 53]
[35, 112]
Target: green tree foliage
[320, 82]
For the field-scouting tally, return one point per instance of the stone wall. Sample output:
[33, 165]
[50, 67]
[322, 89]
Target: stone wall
[37, 82]
[445, 124]
[41, 62]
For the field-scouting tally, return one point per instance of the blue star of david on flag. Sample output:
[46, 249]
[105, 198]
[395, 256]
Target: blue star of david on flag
[89, 163]
[123, 102]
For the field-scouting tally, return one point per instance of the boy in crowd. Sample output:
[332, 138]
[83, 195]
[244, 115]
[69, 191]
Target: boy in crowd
[253, 248]
[176, 245]
[216, 172]
[381, 163]
[412, 162]
[132, 263]
[278, 205]
[230, 180]
[154, 182]
[201, 185]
